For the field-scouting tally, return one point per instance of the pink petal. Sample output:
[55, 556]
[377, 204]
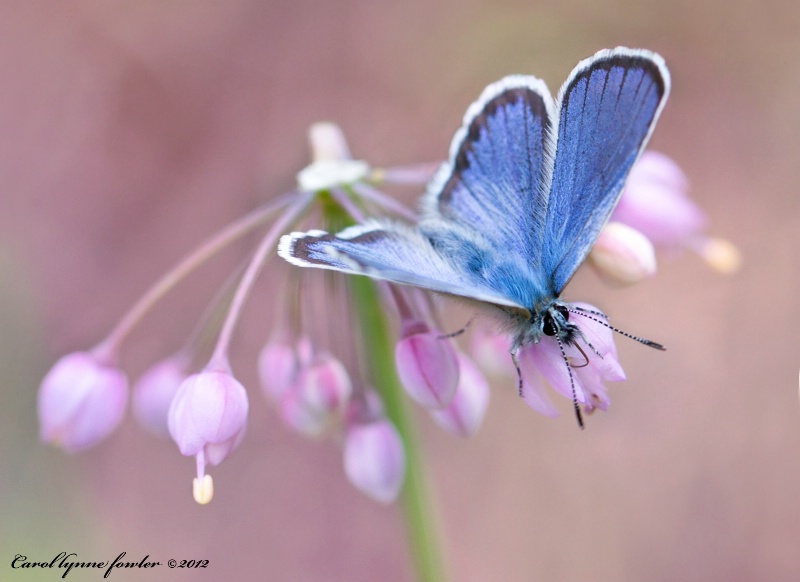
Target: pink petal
[374, 459]
[533, 390]
[153, 394]
[209, 408]
[546, 357]
[464, 415]
[655, 202]
[428, 368]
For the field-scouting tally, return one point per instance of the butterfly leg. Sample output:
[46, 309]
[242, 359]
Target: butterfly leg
[514, 359]
[575, 404]
[457, 332]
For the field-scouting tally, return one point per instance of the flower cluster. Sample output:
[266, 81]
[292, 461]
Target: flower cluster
[321, 384]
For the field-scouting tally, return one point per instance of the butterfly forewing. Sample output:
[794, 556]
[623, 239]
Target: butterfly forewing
[491, 185]
[606, 112]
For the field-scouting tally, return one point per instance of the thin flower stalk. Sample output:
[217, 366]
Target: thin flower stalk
[227, 235]
[265, 249]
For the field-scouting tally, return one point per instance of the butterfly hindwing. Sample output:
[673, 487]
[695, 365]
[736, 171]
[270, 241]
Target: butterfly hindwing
[390, 252]
[606, 111]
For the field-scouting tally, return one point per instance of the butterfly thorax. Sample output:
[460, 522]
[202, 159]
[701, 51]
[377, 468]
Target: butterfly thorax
[548, 320]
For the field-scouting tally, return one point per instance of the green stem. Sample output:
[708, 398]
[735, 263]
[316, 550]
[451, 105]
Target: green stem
[420, 517]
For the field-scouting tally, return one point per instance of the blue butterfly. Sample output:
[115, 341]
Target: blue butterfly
[515, 210]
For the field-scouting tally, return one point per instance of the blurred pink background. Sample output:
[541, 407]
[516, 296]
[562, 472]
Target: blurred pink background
[132, 130]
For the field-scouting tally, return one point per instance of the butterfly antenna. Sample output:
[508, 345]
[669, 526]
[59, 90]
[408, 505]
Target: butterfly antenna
[519, 372]
[575, 404]
[596, 317]
[459, 332]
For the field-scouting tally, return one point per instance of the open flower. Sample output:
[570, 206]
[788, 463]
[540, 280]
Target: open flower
[585, 369]
[656, 202]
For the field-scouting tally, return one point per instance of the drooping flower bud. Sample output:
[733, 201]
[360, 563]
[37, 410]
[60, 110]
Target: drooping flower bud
[317, 396]
[374, 459]
[153, 393]
[279, 364]
[426, 364]
[327, 142]
[207, 420]
[464, 415]
[81, 401]
[623, 255]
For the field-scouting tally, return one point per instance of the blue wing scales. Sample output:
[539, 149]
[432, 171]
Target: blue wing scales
[397, 254]
[491, 184]
[606, 111]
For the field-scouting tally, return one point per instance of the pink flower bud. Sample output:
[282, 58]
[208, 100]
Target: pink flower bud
[319, 394]
[277, 368]
[374, 460]
[153, 394]
[427, 365]
[81, 401]
[328, 142]
[464, 415]
[623, 255]
[208, 416]
[655, 202]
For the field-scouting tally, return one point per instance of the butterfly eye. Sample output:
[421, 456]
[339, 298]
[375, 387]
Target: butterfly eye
[549, 327]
